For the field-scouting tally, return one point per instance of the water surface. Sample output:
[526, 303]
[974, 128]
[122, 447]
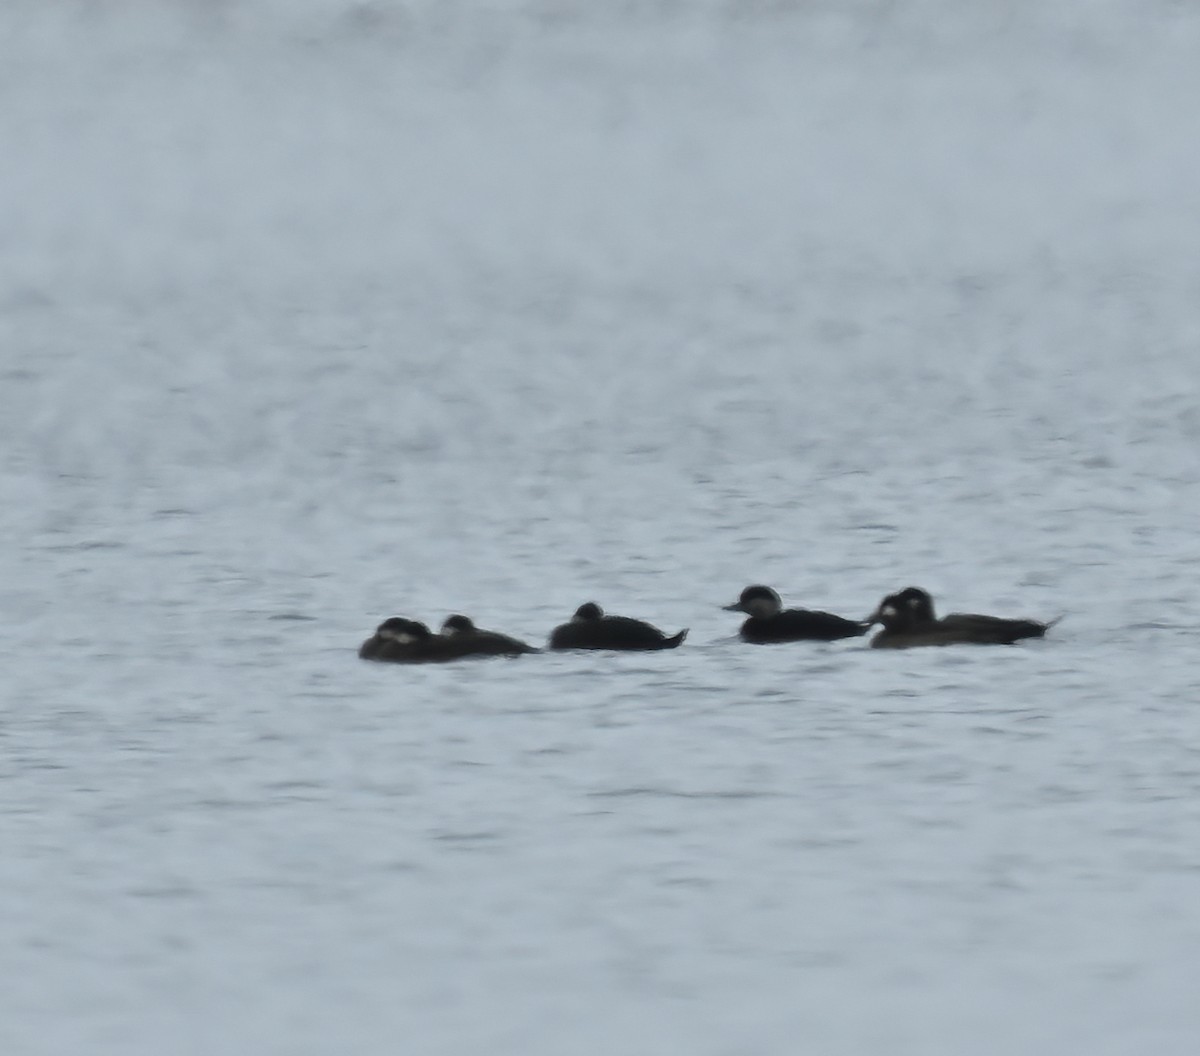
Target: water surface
[315, 313]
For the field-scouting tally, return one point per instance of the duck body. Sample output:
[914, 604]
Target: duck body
[770, 622]
[590, 628]
[909, 621]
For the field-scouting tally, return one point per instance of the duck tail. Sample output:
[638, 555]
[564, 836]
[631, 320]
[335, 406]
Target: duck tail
[676, 640]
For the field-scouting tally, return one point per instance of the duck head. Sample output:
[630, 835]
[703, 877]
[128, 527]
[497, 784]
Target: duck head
[757, 601]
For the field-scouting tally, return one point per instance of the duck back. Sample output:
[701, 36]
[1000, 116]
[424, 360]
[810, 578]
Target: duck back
[613, 632]
[795, 625]
[489, 643]
[998, 628]
[430, 650]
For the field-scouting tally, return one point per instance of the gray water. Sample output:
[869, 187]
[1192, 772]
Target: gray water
[318, 312]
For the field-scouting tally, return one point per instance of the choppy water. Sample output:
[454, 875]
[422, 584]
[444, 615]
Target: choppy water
[318, 312]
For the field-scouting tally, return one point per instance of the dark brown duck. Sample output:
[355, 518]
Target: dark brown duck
[771, 622]
[589, 628]
[909, 620]
[465, 636]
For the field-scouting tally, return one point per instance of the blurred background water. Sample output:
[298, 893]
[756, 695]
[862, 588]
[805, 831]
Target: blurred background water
[315, 312]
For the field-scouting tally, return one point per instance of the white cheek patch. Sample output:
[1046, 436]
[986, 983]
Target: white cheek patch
[888, 610]
[913, 602]
[402, 637]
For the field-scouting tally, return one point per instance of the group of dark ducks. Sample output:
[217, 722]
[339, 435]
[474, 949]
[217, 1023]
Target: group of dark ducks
[907, 619]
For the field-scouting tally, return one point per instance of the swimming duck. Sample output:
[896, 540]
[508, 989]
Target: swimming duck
[909, 620]
[471, 641]
[770, 622]
[400, 641]
[591, 629]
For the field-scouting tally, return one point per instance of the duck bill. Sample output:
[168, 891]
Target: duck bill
[878, 615]
[735, 607]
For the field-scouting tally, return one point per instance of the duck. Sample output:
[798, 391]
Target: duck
[770, 622]
[471, 641]
[909, 620]
[590, 628]
[401, 641]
